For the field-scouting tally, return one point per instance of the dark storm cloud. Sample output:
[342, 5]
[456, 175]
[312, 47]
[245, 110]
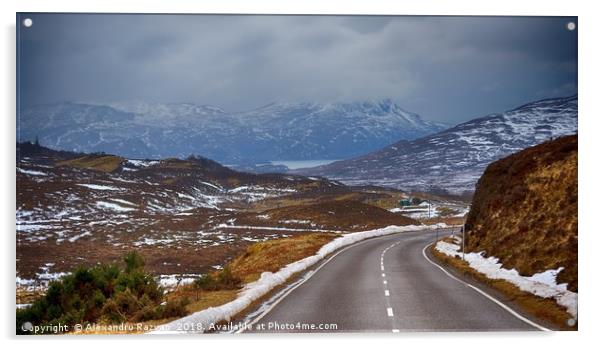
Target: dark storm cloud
[446, 68]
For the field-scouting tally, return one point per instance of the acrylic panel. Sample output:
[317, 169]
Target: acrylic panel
[201, 173]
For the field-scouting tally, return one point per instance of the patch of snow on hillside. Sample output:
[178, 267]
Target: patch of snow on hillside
[75, 238]
[302, 222]
[170, 281]
[123, 201]
[100, 187]
[142, 163]
[23, 227]
[211, 185]
[183, 195]
[270, 228]
[113, 206]
[31, 172]
[41, 280]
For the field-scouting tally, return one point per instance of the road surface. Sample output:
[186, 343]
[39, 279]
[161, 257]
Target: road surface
[355, 292]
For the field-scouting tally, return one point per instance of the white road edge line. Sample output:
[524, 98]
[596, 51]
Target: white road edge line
[486, 295]
[309, 276]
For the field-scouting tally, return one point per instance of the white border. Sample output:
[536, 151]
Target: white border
[590, 113]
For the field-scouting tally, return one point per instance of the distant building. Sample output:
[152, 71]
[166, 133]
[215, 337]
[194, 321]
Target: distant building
[405, 202]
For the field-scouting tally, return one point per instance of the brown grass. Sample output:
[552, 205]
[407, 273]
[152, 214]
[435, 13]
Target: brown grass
[390, 201]
[26, 296]
[450, 220]
[525, 210]
[341, 215]
[105, 164]
[446, 211]
[200, 299]
[270, 256]
[175, 163]
[543, 308]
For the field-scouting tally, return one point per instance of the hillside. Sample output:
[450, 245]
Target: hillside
[454, 159]
[524, 210]
[277, 131]
[185, 216]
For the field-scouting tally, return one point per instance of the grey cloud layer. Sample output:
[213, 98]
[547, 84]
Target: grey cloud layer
[445, 68]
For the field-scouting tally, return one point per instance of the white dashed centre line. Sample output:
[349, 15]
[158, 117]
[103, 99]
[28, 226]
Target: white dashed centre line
[387, 293]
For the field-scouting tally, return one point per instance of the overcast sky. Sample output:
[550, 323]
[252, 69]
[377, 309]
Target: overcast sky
[448, 69]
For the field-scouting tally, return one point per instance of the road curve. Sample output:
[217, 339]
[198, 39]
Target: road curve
[357, 293]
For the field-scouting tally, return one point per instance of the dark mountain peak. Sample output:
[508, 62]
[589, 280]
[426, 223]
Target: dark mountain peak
[387, 104]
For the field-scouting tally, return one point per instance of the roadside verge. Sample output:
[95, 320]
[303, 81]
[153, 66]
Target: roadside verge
[545, 308]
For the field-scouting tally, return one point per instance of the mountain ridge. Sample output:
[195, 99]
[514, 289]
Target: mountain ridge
[455, 158]
[277, 131]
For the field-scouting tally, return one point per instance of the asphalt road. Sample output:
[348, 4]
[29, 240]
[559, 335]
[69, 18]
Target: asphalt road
[408, 293]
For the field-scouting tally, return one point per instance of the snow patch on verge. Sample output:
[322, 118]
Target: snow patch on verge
[541, 284]
[197, 322]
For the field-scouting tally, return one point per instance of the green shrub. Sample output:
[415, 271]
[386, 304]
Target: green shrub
[133, 261]
[224, 280]
[174, 308]
[205, 282]
[103, 293]
[227, 280]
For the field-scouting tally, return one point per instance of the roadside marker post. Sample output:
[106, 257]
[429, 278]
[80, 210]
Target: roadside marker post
[463, 239]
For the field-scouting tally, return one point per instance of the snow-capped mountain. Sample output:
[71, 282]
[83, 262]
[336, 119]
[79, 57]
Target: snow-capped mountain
[278, 131]
[454, 159]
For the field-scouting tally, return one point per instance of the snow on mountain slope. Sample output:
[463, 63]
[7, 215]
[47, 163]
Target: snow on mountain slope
[278, 131]
[454, 159]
